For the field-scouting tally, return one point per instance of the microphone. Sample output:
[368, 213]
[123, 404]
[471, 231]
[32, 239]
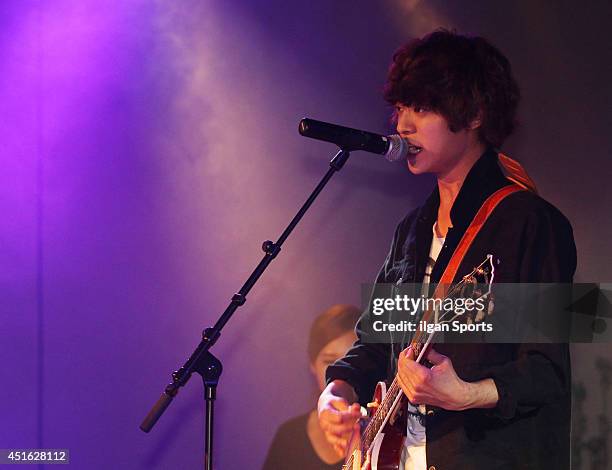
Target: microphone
[393, 147]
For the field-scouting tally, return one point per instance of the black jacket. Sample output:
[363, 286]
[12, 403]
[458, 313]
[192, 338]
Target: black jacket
[530, 427]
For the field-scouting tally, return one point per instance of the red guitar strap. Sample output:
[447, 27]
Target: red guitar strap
[514, 172]
[479, 220]
[450, 272]
[521, 182]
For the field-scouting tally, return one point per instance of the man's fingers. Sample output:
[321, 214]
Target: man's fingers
[353, 410]
[335, 409]
[330, 415]
[408, 353]
[337, 441]
[340, 430]
[411, 368]
[334, 416]
[340, 443]
[339, 423]
[339, 404]
[434, 356]
[349, 414]
[404, 385]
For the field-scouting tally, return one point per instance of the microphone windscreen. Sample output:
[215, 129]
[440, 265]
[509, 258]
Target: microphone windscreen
[398, 149]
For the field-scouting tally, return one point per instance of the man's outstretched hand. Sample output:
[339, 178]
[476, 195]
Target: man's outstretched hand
[338, 414]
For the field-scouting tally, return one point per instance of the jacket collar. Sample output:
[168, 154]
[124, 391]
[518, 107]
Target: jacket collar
[484, 178]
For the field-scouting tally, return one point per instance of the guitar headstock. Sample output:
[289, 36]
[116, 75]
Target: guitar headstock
[476, 285]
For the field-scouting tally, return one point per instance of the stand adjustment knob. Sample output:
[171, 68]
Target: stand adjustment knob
[270, 248]
[239, 299]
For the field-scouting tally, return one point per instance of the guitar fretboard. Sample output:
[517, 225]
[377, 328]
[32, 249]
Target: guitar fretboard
[384, 409]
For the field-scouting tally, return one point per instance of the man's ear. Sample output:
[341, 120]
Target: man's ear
[476, 122]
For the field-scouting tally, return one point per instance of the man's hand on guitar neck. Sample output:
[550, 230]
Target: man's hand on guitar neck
[338, 414]
[441, 386]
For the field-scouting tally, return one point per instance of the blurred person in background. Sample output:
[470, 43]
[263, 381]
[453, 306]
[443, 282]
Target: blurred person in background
[300, 439]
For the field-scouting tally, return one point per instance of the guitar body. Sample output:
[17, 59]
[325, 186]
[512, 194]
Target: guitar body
[385, 452]
[380, 442]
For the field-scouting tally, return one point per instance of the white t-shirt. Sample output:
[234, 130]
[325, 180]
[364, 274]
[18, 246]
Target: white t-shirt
[414, 456]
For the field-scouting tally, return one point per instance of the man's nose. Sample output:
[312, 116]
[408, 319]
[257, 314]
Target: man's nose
[405, 123]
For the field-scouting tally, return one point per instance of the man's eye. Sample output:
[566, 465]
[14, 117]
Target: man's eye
[420, 109]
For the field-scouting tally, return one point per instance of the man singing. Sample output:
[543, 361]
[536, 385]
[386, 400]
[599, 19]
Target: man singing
[493, 406]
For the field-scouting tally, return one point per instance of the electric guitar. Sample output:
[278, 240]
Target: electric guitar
[378, 445]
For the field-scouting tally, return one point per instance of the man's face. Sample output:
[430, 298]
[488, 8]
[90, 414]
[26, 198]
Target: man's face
[433, 148]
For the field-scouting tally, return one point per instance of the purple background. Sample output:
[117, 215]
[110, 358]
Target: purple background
[149, 147]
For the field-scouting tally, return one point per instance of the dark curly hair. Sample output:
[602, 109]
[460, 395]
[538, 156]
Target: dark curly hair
[459, 77]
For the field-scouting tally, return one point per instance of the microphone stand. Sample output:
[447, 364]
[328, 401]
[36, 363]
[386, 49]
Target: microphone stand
[201, 360]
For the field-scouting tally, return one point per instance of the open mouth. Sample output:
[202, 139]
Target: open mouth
[414, 149]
